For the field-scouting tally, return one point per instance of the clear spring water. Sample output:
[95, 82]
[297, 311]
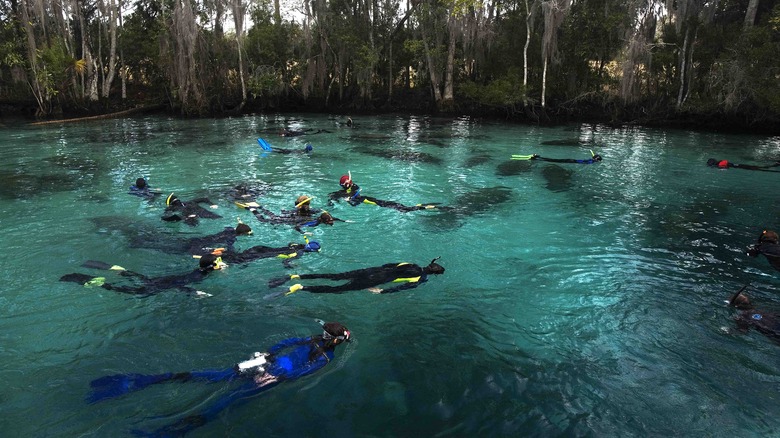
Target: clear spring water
[579, 300]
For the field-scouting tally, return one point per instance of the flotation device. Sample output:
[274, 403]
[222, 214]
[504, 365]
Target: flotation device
[723, 164]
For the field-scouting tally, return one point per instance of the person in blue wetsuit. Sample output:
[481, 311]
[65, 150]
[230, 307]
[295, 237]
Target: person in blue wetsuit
[351, 193]
[189, 212]
[410, 275]
[141, 188]
[768, 246]
[764, 321]
[289, 359]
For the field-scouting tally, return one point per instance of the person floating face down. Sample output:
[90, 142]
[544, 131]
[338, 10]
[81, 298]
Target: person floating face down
[765, 322]
[296, 218]
[141, 188]
[148, 285]
[351, 193]
[181, 282]
[289, 359]
[189, 212]
[726, 164]
[408, 274]
[595, 158]
[768, 246]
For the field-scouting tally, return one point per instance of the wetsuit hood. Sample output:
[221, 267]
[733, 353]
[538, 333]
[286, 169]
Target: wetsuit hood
[434, 268]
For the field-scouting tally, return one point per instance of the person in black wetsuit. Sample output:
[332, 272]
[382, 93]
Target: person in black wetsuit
[766, 322]
[208, 263]
[287, 360]
[297, 218]
[224, 240]
[595, 158]
[410, 275]
[150, 286]
[141, 188]
[351, 192]
[768, 246]
[725, 164]
[189, 211]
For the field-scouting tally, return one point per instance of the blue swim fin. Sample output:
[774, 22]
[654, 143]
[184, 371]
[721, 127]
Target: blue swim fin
[120, 384]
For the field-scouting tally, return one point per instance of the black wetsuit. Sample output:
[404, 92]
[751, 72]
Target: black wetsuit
[189, 212]
[145, 192]
[410, 275]
[293, 218]
[770, 250]
[151, 286]
[568, 160]
[767, 323]
[724, 164]
[353, 196]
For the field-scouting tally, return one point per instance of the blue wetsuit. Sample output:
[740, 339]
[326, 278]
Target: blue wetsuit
[289, 359]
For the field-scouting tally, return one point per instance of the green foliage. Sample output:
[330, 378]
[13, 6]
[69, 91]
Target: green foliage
[505, 92]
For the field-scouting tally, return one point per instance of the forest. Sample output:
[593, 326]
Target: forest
[703, 63]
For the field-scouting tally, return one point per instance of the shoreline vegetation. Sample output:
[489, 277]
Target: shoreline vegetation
[685, 64]
[615, 116]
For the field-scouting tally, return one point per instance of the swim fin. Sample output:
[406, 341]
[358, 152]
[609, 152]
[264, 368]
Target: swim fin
[523, 157]
[247, 205]
[294, 288]
[77, 278]
[120, 384]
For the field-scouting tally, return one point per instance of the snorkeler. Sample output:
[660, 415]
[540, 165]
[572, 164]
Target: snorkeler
[409, 274]
[768, 246]
[150, 286]
[223, 240]
[768, 323]
[207, 264]
[289, 359]
[595, 158]
[351, 192]
[189, 211]
[267, 147]
[296, 218]
[141, 188]
[725, 164]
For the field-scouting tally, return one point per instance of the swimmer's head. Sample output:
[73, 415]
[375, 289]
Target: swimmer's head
[211, 262]
[140, 183]
[740, 301]
[308, 147]
[172, 200]
[335, 332]
[303, 202]
[243, 228]
[345, 181]
[712, 162]
[768, 237]
[597, 157]
[434, 268]
[326, 218]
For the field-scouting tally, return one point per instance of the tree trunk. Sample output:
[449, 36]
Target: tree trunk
[525, 52]
[750, 15]
[432, 68]
[112, 18]
[238, 17]
[448, 98]
[683, 69]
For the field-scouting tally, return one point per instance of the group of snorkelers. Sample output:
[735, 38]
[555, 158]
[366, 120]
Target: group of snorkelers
[297, 357]
[287, 360]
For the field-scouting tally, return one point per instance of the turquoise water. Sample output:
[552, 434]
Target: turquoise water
[579, 300]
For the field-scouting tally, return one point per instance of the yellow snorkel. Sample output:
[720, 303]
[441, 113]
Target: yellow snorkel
[298, 205]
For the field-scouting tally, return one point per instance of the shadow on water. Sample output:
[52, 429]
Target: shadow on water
[476, 160]
[73, 163]
[558, 178]
[400, 155]
[513, 167]
[469, 204]
[24, 185]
